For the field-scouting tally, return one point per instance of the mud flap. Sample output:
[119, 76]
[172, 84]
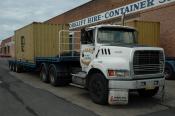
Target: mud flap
[118, 97]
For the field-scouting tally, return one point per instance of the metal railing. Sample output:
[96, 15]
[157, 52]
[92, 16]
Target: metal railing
[67, 43]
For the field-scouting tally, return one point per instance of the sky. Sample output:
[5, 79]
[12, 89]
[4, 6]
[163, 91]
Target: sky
[15, 14]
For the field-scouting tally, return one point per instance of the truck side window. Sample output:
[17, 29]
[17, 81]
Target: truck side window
[87, 37]
[22, 43]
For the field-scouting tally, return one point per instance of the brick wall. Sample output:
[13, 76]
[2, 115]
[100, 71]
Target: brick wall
[164, 14]
[91, 8]
[6, 47]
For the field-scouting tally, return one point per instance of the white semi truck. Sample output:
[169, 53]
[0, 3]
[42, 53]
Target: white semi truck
[109, 66]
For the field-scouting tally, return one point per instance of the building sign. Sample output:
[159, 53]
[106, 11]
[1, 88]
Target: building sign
[128, 9]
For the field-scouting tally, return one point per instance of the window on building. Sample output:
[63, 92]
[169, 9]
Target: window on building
[22, 43]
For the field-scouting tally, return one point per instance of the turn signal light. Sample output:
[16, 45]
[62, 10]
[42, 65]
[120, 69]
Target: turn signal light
[111, 73]
[118, 73]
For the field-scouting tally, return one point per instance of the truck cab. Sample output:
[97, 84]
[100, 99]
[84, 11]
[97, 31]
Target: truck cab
[113, 64]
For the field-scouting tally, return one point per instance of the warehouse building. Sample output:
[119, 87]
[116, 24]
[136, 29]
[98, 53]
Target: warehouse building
[7, 48]
[110, 11]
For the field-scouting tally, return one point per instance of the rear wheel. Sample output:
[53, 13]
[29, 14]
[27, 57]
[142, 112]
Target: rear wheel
[148, 93]
[18, 68]
[57, 76]
[44, 74]
[14, 67]
[53, 76]
[98, 88]
[10, 67]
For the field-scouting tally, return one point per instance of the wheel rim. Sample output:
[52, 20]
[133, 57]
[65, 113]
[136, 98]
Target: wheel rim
[16, 68]
[43, 75]
[167, 73]
[10, 67]
[13, 67]
[52, 79]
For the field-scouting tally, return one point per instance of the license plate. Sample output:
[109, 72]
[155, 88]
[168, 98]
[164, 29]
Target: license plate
[149, 86]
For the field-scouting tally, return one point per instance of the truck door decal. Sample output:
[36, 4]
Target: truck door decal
[87, 56]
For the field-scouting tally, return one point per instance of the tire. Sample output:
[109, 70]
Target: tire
[10, 67]
[98, 88]
[13, 67]
[18, 68]
[148, 93]
[44, 74]
[168, 72]
[55, 77]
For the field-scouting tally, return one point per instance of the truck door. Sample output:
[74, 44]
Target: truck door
[87, 48]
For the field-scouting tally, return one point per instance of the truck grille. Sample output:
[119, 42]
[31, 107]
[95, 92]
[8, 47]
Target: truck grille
[148, 62]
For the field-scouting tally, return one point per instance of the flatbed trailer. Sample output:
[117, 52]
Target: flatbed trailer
[64, 67]
[14, 64]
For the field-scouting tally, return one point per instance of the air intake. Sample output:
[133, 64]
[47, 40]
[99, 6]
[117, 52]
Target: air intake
[148, 62]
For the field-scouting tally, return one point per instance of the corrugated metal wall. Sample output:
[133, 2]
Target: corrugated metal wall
[38, 40]
[148, 32]
[24, 50]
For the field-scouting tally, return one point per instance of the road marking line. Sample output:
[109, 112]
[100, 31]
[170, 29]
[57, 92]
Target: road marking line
[0, 82]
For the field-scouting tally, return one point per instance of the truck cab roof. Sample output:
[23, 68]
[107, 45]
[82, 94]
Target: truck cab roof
[109, 25]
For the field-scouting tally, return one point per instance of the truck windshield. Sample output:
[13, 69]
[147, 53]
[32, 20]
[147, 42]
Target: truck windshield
[116, 36]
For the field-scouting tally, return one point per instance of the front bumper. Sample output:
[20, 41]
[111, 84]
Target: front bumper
[136, 84]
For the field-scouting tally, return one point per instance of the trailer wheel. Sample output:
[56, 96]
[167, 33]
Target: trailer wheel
[13, 67]
[10, 66]
[44, 74]
[148, 93]
[18, 68]
[53, 75]
[98, 88]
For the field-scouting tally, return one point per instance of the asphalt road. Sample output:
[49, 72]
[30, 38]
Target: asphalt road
[23, 94]
[20, 99]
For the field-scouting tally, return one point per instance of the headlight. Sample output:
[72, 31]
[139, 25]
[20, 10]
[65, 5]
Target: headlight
[118, 73]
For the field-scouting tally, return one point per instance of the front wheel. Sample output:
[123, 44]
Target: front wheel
[148, 93]
[98, 88]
